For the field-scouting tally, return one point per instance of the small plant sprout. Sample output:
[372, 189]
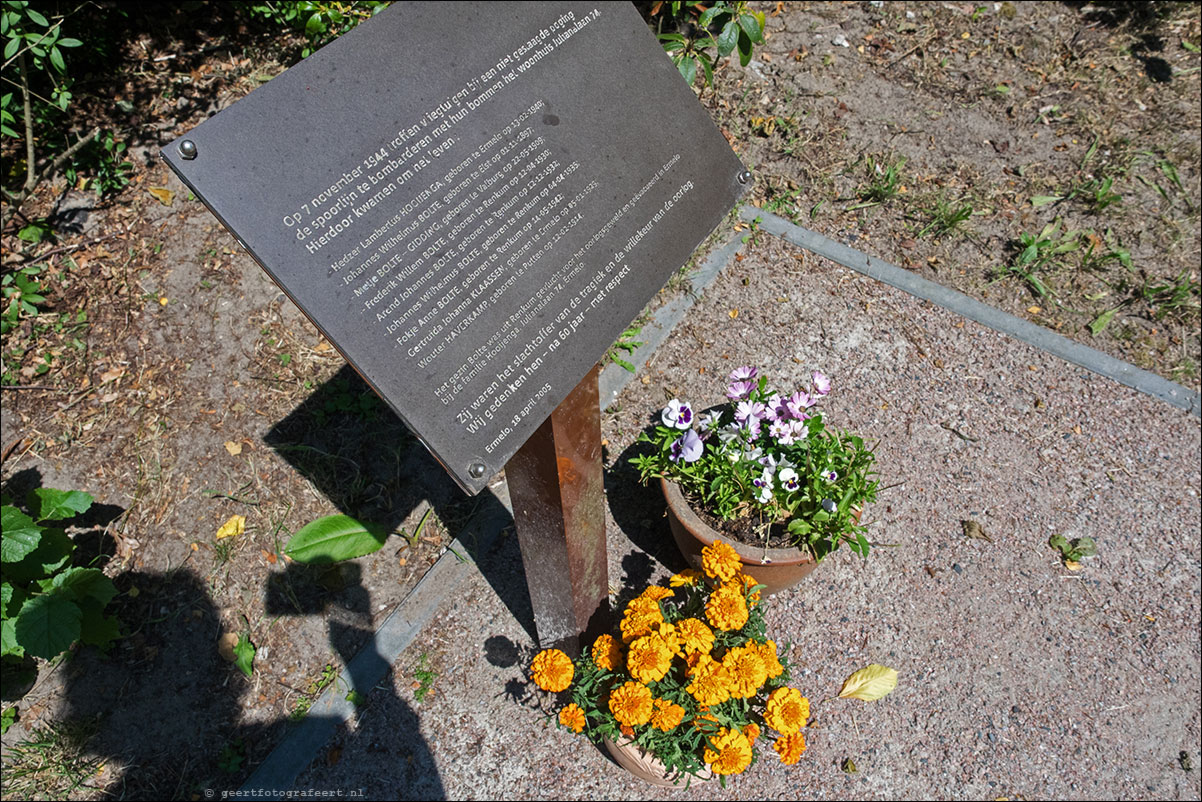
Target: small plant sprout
[883, 182]
[1072, 551]
[946, 216]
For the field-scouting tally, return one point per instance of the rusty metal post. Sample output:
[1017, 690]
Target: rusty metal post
[556, 486]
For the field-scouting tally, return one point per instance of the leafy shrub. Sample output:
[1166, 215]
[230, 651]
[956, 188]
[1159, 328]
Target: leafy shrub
[47, 603]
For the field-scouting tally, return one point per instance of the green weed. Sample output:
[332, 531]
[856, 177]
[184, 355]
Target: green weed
[626, 343]
[883, 182]
[425, 677]
[52, 763]
[1037, 253]
[946, 217]
[306, 700]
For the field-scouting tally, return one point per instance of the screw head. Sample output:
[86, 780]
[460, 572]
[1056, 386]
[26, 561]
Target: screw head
[744, 176]
[476, 470]
[187, 149]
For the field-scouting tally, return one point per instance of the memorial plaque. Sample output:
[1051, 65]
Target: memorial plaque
[471, 201]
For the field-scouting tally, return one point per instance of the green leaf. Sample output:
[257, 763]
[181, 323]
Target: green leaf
[745, 47]
[7, 718]
[47, 625]
[8, 638]
[752, 27]
[51, 554]
[1058, 542]
[67, 41]
[727, 39]
[21, 535]
[1044, 200]
[97, 629]
[56, 59]
[335, 538]
[315, 27]
[36, 17]
[84, 583]
[1085, 546]
[56, 505]
[688, 68]
[1100, 322]
[244, 655]
[10, 49]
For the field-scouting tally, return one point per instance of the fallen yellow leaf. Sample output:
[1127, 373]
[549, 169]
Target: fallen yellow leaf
[225, 646]
[870, 683]
[1072, 565]
[235, 526]
[734, 313]
[234, 448]
[1034, 310]
[164, 195]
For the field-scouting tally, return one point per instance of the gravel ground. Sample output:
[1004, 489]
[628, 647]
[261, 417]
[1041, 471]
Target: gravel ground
[1018, 678]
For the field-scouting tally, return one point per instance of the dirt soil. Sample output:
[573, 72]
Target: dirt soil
[191, 390]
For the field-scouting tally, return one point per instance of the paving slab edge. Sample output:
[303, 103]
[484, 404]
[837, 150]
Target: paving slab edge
[1045, 339]
[301, 745]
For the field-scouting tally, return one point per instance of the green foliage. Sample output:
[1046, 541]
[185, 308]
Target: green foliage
[946, 217]
[7, 718]
[882, 183]
[723, 27]
[1038, 253]
[22, 292]
[1072, 551]
[334, 538]
[425, 677]
[31, 37]
[47, 604]
[320, 22]
[244, 654]
[626, 343]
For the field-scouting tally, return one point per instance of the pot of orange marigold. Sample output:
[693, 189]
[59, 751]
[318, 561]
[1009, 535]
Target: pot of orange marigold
[689, 686]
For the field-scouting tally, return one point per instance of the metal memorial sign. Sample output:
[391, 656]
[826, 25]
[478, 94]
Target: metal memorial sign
[471, 201]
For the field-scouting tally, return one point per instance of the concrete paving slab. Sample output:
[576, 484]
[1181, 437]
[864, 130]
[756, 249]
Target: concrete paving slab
[1018, 678]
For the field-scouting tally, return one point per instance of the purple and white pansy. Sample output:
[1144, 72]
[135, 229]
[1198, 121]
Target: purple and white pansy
[678, 414]
[687, 447]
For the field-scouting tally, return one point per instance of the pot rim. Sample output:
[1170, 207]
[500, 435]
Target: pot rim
[751, 555]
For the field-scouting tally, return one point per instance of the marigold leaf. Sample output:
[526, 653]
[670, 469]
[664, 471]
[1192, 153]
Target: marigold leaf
[870, 683]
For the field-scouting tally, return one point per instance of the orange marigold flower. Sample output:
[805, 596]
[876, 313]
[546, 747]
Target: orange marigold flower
[751, 731]
[640, 616]
[627, 731]
[657, 592]
[607, 652]
[642, 605]
[720, 561]
[572, 717]
[711, 682]
[726, 609]
[552, 670]
[667, 633]
[745, 583]
[631, 704]
[790, 747]
[746, 670]
[772, 663]
[666, 714]
[686, 578]
[787, 710]
[695, 636]
[648, 659]
[729, 752]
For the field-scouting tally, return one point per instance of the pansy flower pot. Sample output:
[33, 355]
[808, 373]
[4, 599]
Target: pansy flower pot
[776, 569]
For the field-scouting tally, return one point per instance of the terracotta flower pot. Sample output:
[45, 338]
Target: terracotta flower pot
[648, 768]
[777, 569]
